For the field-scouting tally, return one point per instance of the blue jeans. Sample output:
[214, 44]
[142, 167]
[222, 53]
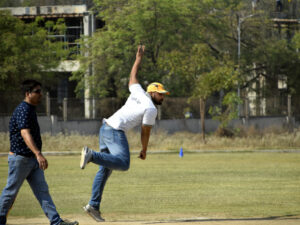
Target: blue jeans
[21, 168]
[113, 155]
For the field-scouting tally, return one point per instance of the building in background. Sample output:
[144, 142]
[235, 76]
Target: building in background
[79, 20]
[286, 21]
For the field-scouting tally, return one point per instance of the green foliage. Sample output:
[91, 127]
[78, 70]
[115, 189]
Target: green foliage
[296, 42]
[203, 73]
[191, 47]
[167, 28]
[111, 50]
[26, 51]
[231, 102]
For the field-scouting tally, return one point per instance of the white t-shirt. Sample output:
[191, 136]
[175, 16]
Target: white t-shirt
[138, 109]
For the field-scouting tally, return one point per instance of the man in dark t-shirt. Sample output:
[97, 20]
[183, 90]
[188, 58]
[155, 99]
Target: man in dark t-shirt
[24, 117]
[25, 158]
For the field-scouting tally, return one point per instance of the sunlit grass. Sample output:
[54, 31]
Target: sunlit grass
[165, 186]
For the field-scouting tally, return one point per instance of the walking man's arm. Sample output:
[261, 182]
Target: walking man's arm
[25, 133]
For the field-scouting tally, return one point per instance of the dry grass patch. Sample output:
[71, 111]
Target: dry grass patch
[250, 139]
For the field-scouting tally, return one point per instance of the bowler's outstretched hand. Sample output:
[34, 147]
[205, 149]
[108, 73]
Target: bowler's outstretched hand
[140, 52]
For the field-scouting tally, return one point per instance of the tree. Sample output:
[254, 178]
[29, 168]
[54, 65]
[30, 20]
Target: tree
[160, 25]
[205, 74]
[170, 29]
[26, 51]
[293, 81]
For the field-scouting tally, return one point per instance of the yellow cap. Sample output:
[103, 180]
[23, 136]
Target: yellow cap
[157, 87]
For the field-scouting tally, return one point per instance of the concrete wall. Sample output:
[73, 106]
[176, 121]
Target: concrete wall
[47, 10]
[91, 127]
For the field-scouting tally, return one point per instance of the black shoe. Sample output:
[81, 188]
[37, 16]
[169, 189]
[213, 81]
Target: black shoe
[94, 213]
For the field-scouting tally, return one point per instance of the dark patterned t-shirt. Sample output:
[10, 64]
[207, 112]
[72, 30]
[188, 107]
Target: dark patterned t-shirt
[24, 117]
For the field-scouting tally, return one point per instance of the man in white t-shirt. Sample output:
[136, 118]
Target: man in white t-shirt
[139, 110]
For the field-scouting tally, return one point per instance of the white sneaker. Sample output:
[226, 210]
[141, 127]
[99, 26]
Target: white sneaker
[86, 156]
[94, 213]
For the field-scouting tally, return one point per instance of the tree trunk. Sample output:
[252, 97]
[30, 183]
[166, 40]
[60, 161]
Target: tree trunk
[202, 117]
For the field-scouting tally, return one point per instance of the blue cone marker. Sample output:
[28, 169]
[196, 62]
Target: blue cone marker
[181, 152]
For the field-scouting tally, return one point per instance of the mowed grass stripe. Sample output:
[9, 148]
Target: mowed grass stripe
[237, 185]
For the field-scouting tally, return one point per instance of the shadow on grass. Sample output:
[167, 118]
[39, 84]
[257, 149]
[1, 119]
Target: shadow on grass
[202, 219]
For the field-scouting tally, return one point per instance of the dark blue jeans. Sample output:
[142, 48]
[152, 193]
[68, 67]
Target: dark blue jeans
[21, 168]
[114, 155]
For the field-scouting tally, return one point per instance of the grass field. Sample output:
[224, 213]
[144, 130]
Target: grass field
[213, 185]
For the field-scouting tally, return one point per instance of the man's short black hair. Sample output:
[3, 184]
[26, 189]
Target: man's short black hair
[29, 85]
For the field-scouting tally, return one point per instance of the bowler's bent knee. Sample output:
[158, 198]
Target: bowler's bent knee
[125, 166]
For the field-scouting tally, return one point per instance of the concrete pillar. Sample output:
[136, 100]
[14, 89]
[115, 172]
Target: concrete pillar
[87, 101]
[94, 108]
[65, 109]
[246, 109]
[87, 31]
[54, 125]
[289, 114]
[289, 105]
[48, 109]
